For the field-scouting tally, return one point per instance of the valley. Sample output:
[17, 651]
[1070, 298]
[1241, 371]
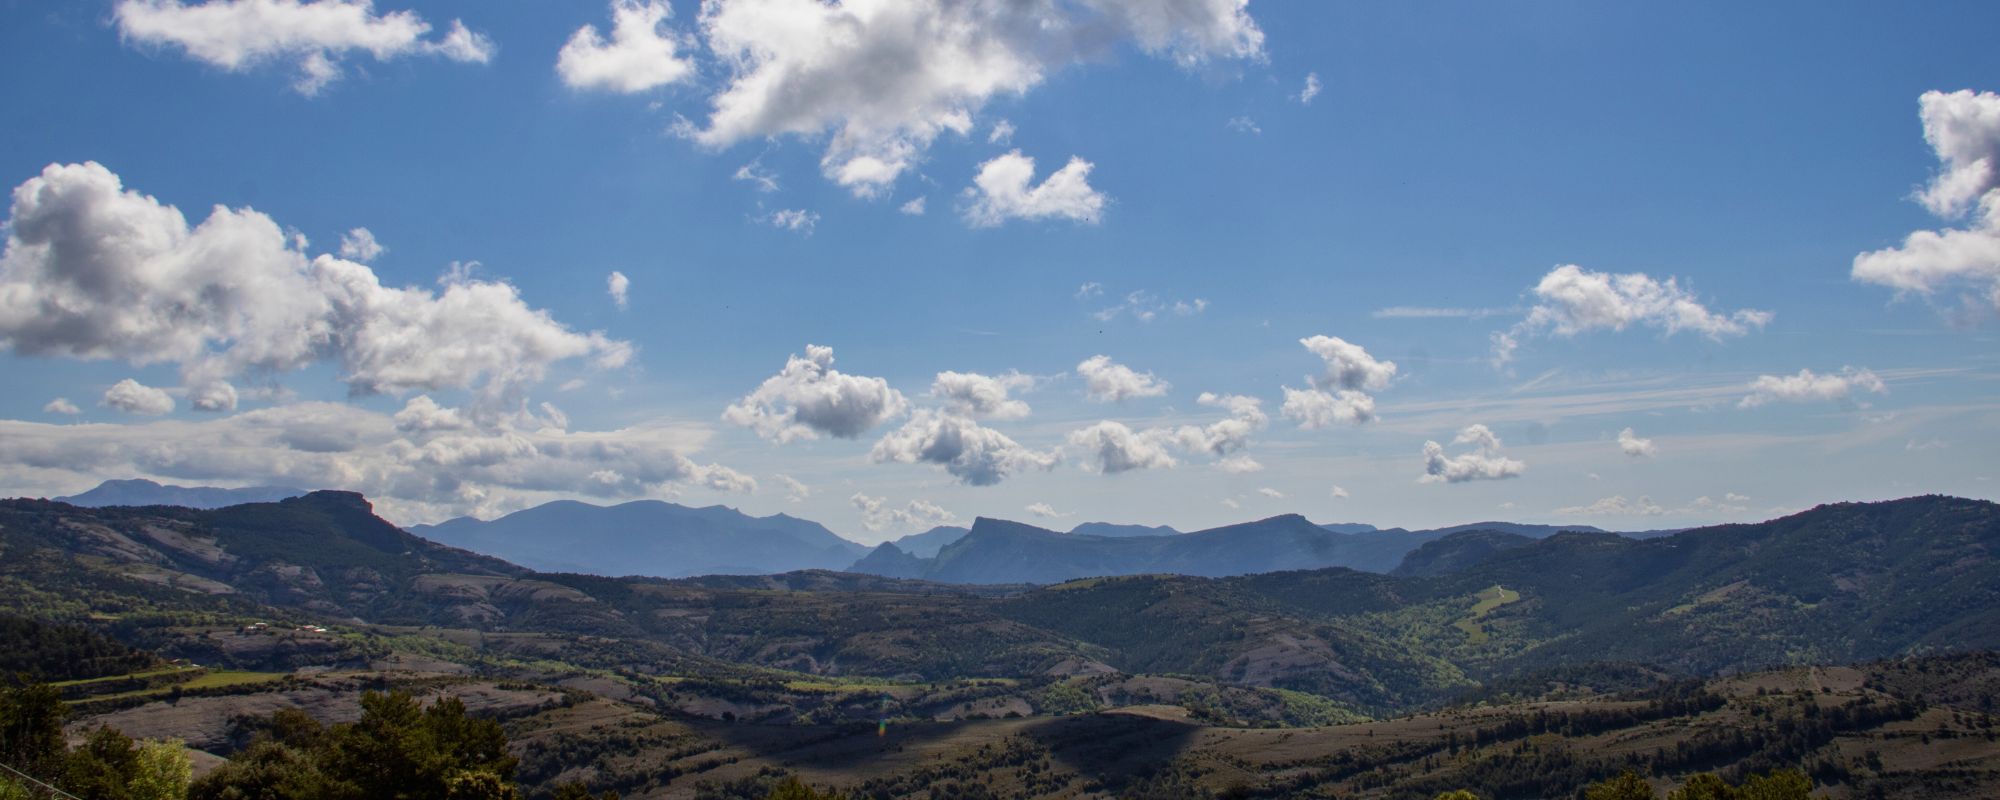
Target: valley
[1529, 668]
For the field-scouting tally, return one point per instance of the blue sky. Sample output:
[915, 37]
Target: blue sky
[1454, 156]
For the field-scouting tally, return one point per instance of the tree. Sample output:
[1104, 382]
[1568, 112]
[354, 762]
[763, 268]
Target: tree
[398, 750]
[1788, 784]
[1626, 786]
[792, 789]
[162, 771]
[1704, 786]
[1458, 794]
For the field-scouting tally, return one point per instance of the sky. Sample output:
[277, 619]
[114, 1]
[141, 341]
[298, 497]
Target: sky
[889, 265]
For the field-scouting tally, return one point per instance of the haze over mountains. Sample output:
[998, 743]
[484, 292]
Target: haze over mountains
[660, 539]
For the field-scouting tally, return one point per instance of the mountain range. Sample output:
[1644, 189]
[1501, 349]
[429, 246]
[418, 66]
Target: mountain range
[318, 581]
[648, 537]
[998, 551]
[141, 492]
[659, 539]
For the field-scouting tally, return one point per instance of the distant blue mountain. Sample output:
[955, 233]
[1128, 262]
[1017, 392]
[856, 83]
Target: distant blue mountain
[928, 543]
[648, 537]
[1002, 552]
[1118, 531]
[141, 492]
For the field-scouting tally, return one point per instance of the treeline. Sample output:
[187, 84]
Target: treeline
[43, 652]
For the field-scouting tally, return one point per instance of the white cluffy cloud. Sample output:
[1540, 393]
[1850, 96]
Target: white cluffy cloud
[424, 463]
[1572, 300]
[619, 287]
[133, 397]
[876, 513]
[1338, 493]
[1111, 447]
[1807, 387]
[1963, 128]
[639, 56]
[887, 78]
[1483, 462]
[1339, 394]
[809, 398]
[1002, 191]
[1107, 381]
[1046, 511]
[1630, 444]
[976, 455]
[240, 34]
[913, 208]
[971, 394]
[61, 405]
[1246, 417]
[94, 271]
[359, 245]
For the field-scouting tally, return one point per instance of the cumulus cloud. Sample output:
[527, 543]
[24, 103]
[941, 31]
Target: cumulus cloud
[237, 35]
[639, 56]
[1239, 464]
[61, 405]
[423, 463]
[1045, 511]
[1246, 417]
[1808, 387]
[975, 455]
[1310, 90]
[212, 395]
[1483, 462]
[1111, 447]
[1001, 133]
[133, 397]
[1339, 394]
[1338, 493]
[1617, 505]
[877, 514]
[1089, 289]
[1571, 300]
[1002, 191]
[971, 394]
[359, 245]
[1630, 444]
[1244, 125]
[913, 208]
[1348, 365]
[619, 287]
[1963, 128]
[888, 78]
[1107, 381]
[795, 490]
[810, 398]
[94, 271]
[1317, 408]
[1271, 493]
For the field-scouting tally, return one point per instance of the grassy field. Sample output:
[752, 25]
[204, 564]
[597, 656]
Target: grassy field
[1490, 598]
